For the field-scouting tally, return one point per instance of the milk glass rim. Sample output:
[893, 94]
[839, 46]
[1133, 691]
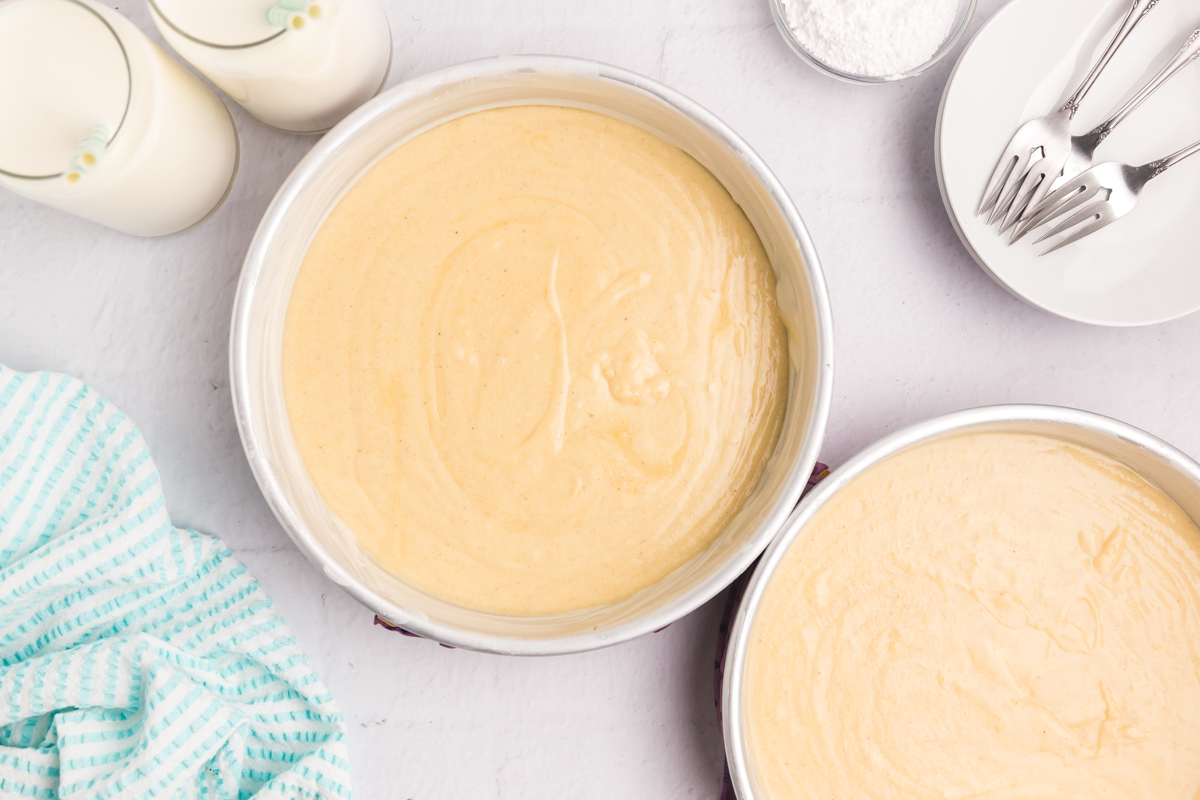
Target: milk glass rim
[128, 95]
[162, 15]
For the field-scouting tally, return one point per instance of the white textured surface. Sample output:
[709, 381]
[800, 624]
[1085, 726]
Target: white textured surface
[920, 331]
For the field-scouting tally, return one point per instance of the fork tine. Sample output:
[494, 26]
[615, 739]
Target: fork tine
[1033, 220]
[1058, 203]
[1087, 230]
[1012, 182]
[1079, 217]
[1050, 173]
[1024, 227]
[997, 181]
[1019, 207]
[1012, 185]
[998, 209]
[1006, 199]
[1042, 192]
[1070, 195]
[1034, 178]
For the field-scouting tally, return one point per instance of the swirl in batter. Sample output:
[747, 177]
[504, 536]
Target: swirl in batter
[993, 616]
[534, 360]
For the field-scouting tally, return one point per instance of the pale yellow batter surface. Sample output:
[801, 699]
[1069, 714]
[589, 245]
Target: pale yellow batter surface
[534, 360]
[994, 616]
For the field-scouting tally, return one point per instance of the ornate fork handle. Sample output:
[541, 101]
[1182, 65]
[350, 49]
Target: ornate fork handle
[1156, 168]
[1186, 55]
[1137, 12]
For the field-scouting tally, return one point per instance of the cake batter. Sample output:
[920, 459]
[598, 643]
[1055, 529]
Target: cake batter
[534, 360]
[992, 616]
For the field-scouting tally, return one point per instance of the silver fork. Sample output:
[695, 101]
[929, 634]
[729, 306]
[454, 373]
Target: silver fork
[1083, 196]
[1050, 135]
[1041, 177]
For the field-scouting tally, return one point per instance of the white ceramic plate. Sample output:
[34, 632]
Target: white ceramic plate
[1142, 269]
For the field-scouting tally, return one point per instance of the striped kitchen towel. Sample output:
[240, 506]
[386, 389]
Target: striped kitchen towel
[137, 659]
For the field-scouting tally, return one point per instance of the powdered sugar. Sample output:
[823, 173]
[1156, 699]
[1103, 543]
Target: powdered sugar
[880, 38]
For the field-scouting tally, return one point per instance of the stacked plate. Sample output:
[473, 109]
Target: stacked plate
[1138, 271]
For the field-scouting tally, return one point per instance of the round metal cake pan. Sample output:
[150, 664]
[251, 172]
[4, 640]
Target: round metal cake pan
[339, 159]
[1167, 468]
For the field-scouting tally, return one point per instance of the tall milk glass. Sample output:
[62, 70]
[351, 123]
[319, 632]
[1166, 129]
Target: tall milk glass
[297, 65]
[96, 120]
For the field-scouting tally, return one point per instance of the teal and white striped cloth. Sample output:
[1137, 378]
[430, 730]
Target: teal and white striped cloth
[137, 659]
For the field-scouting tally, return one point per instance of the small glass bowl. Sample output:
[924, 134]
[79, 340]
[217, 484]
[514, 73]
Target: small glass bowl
[966, 11]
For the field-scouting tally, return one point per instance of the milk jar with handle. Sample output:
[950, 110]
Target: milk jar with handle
[297, 65]
[98, 121]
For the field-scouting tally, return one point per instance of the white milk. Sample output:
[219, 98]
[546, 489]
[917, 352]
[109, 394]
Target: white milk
[100, 122]
[297, 65]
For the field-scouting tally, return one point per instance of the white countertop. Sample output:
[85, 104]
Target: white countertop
[920, 331]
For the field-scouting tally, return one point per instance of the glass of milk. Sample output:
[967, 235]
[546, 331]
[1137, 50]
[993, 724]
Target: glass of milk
[98, 121]
[297, 65]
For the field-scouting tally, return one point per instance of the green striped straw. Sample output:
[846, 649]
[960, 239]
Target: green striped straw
[88, 152]
[292, 13]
